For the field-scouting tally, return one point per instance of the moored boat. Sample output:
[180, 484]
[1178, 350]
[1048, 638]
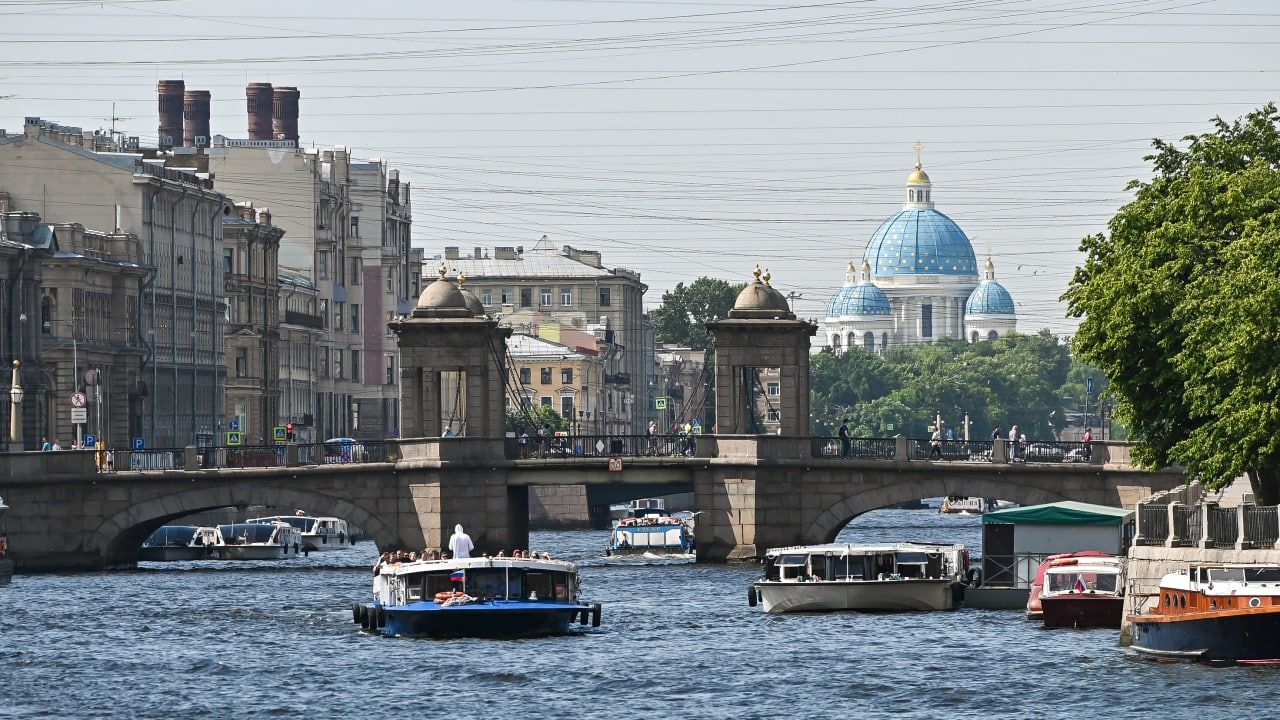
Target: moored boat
[502, 597]
[179, 542]
[318, 533]
[6, 565]
[1213, 612]
[900, 576]
[258, 541]
[1083, 592]
[1035, 611]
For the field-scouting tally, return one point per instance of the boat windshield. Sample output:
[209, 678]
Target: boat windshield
[171, 535]
[1262, 574]
[302, 523]
[1082, 582]
[246, 533]
[797, 560]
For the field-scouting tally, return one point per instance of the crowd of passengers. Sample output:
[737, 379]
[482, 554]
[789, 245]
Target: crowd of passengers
[402, 556]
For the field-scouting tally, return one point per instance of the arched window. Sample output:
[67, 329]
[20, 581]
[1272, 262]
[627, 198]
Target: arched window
[973, 336]
[993, 335]
[46, 315]
[835, 343]
[852, 341]
[869, 342]
[884, 342]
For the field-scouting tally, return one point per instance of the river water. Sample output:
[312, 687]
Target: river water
[239, 640]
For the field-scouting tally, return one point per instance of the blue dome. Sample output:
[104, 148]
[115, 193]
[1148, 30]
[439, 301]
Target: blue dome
[921, 242]
[861, 299]
[989, 298]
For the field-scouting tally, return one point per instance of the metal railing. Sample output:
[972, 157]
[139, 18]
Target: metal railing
[1223, 530]
[243, 456]
[859, 448]
[1261, 525]
[952, 450]
[343, 453]
[601, 446]
[1017, 570]
[1051, 451]
[1153, 522]
[1186, 525]
[166, 459]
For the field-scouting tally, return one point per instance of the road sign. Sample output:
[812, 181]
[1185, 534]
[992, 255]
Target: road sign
[79, 415]
[697, 427]
[78, 400]
[90, 442]
[279, 434]
[1089, 385]
[233, 438]
[660, 403]
[139, 443]
[233, 425]
[615, 463]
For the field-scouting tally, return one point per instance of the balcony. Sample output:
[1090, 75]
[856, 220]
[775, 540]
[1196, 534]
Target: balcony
[617, 379]
[293, 317]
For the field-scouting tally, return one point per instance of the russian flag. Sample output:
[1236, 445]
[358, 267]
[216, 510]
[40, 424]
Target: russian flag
[1079, 586]
[457, 576]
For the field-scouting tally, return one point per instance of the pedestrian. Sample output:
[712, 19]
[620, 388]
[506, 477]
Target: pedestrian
[935, 444]
[1013, 443]
[652, 432]
[995, 434]
[542, 441]
[45, 445]
[688, 439]
[56, 445]
[1088, 443]
[524, 443]
[846, 444]
[460, 543]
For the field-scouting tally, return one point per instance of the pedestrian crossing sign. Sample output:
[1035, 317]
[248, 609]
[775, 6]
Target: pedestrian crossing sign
[233, 438]
[660, 403]
[279, 434]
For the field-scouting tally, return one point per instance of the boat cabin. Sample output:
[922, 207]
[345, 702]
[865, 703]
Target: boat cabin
[1082, 576]
[1016, 541]
[182, 536]
[256, 534]
[482, 578]
[860, 562]
[1211, 588]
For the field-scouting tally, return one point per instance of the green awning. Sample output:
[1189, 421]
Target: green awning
[1060, 513]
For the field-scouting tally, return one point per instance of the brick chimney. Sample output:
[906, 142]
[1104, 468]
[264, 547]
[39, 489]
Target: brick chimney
[259, 106]
[284, 116]
[195, 117]
[170, 94]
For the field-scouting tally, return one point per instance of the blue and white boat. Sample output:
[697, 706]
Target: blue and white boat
[651, 530]
[475, 597]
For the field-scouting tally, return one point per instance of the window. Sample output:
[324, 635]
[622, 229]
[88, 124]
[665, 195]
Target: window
[546, 296]
[526, 297]
[772, 389]
[486, 296]
[606, 297]
[356, 373]
[391, 369]
[566, 297]
[337, 364]
[545, 376]
[545, 401]
[324, 312]
[322, 264]
[242, 362]
[391, 280]
[926, 320]
[566, 376]
[226, 260]
[354, 277]
[506, 296]
[993, 335]
[324, 362]
[773, 415]
[566, 407]
[869, 342]
[355, 226]
[355, 317]
[337, 315]
[526, 376]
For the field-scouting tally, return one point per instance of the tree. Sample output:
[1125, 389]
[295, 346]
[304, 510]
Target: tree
[537, 416]
[1179, 305]
[681, 318]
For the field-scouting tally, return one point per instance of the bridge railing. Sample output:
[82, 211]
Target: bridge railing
[343, 453]
[1053, 451]
[859, 448]
[600, 446]
[952, 450]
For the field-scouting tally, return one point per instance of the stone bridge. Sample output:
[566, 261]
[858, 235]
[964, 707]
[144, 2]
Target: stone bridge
[752, 492]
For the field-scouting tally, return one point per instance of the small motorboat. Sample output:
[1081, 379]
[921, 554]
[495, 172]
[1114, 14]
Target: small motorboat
[6, 565]
[1034, 609]
[179, 542]
[900, 576]
[502, 597]
[258, 541]
[1083, 592]
[318, 533]
[1213, 612]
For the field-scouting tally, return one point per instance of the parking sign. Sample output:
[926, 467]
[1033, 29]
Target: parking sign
[139, 443]
[90, 442]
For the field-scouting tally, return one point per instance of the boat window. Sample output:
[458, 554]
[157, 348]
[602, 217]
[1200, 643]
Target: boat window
[1226, 575]
[302, 523]
[1166, 600]
[839, 567]
[537, 581]
[438, 583]
[791, 560]
[912, 558]
[561, 586]
[415, 586]
[246, 533]
[171, 535]
[1262, 574]
[818, 567]
[1081, 582]
[487, 582]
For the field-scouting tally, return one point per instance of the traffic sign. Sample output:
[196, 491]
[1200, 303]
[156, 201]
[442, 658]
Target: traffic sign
[660, 403]
[233, 425]
[697, 427]
[279, 434]
[79, 415]
[78, 400]
[90, 442]
[615, 463]
[233, 438]
[1089, 385]
[139, 443]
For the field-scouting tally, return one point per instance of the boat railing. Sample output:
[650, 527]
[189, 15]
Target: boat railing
[1144, 593]
[1016, 570]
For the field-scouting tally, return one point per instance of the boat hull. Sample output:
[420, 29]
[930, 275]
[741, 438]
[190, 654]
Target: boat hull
[484, 620]
[326, 543]
[174, 554]
[1076, 610]
[827, 596]
[1251, 637]
[256, 552]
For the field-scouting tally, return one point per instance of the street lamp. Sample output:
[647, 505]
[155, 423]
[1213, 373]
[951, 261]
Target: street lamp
[15, 408]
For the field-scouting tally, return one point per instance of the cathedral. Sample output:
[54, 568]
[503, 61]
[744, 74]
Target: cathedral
[919, 281]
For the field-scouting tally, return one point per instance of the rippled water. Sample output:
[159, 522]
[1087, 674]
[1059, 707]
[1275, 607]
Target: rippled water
[678, 641]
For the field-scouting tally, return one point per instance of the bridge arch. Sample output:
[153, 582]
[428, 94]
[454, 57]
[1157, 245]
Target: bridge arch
[118, 538]
[832, 520]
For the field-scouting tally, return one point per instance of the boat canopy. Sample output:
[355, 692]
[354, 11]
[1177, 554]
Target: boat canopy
[246, 533]
[302, 522]
[913, 558]
[1067, 512]
[172, 535]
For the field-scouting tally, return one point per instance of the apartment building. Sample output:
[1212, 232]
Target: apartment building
[250, 244]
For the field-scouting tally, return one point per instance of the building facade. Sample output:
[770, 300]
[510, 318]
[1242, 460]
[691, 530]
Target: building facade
[918, 281]
[20, 339]
[569, 379]
[250, 276]
[301, 336]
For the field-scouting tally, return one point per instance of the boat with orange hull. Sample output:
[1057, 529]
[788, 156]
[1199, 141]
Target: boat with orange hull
[1213, 612]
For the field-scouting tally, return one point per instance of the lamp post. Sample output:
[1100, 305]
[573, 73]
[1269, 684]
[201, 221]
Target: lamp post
[15, 409]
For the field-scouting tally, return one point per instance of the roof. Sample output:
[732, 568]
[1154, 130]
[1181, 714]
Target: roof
[989, 298]
[1067, 512]
[541, 261]
[861, 299]
[921, 242]
[520, 345]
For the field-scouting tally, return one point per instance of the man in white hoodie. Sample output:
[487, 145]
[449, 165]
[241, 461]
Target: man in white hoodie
[460, 544]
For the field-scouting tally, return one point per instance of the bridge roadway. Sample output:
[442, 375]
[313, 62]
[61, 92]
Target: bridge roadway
[752, 492]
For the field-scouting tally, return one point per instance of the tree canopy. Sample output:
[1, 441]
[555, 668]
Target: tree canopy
[1179, 305]
[685, 309]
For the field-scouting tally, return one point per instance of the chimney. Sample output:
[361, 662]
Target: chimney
[259, 107]
[284, 114]
[170, 94]
[451, 252]
[195, 117]
[264, 216]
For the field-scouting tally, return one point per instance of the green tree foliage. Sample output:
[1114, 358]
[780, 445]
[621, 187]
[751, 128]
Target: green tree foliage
[1179, 305]
[684, 310]
[1013, 380]
[535, 417]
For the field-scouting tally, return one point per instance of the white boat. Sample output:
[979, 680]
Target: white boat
[318, 533]
[179, 542]
[972, 505]
[650, 530]
[258, 541]
[899, 576]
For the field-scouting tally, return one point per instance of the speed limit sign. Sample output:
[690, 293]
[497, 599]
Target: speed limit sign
[78, 400]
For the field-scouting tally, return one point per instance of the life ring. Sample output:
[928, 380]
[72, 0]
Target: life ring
[974, 577]
[751, 595]
[441, 597]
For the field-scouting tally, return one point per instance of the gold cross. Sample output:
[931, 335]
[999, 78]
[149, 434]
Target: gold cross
[919, 147]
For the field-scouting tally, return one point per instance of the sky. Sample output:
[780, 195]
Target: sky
[685, 138]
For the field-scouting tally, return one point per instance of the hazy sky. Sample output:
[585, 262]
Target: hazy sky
[687, 138]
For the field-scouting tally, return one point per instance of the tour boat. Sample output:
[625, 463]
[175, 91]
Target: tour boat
[6, 565]
[498, 597]
[1083, 592]
[1214, 612]
[651, 531]
[1034, 609]
[179, 542]
[318, 533]
[972, 505]
[900, 576]
[258, 541]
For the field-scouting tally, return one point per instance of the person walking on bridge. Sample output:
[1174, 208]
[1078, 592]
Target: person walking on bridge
[460, 544]
[846, 445]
